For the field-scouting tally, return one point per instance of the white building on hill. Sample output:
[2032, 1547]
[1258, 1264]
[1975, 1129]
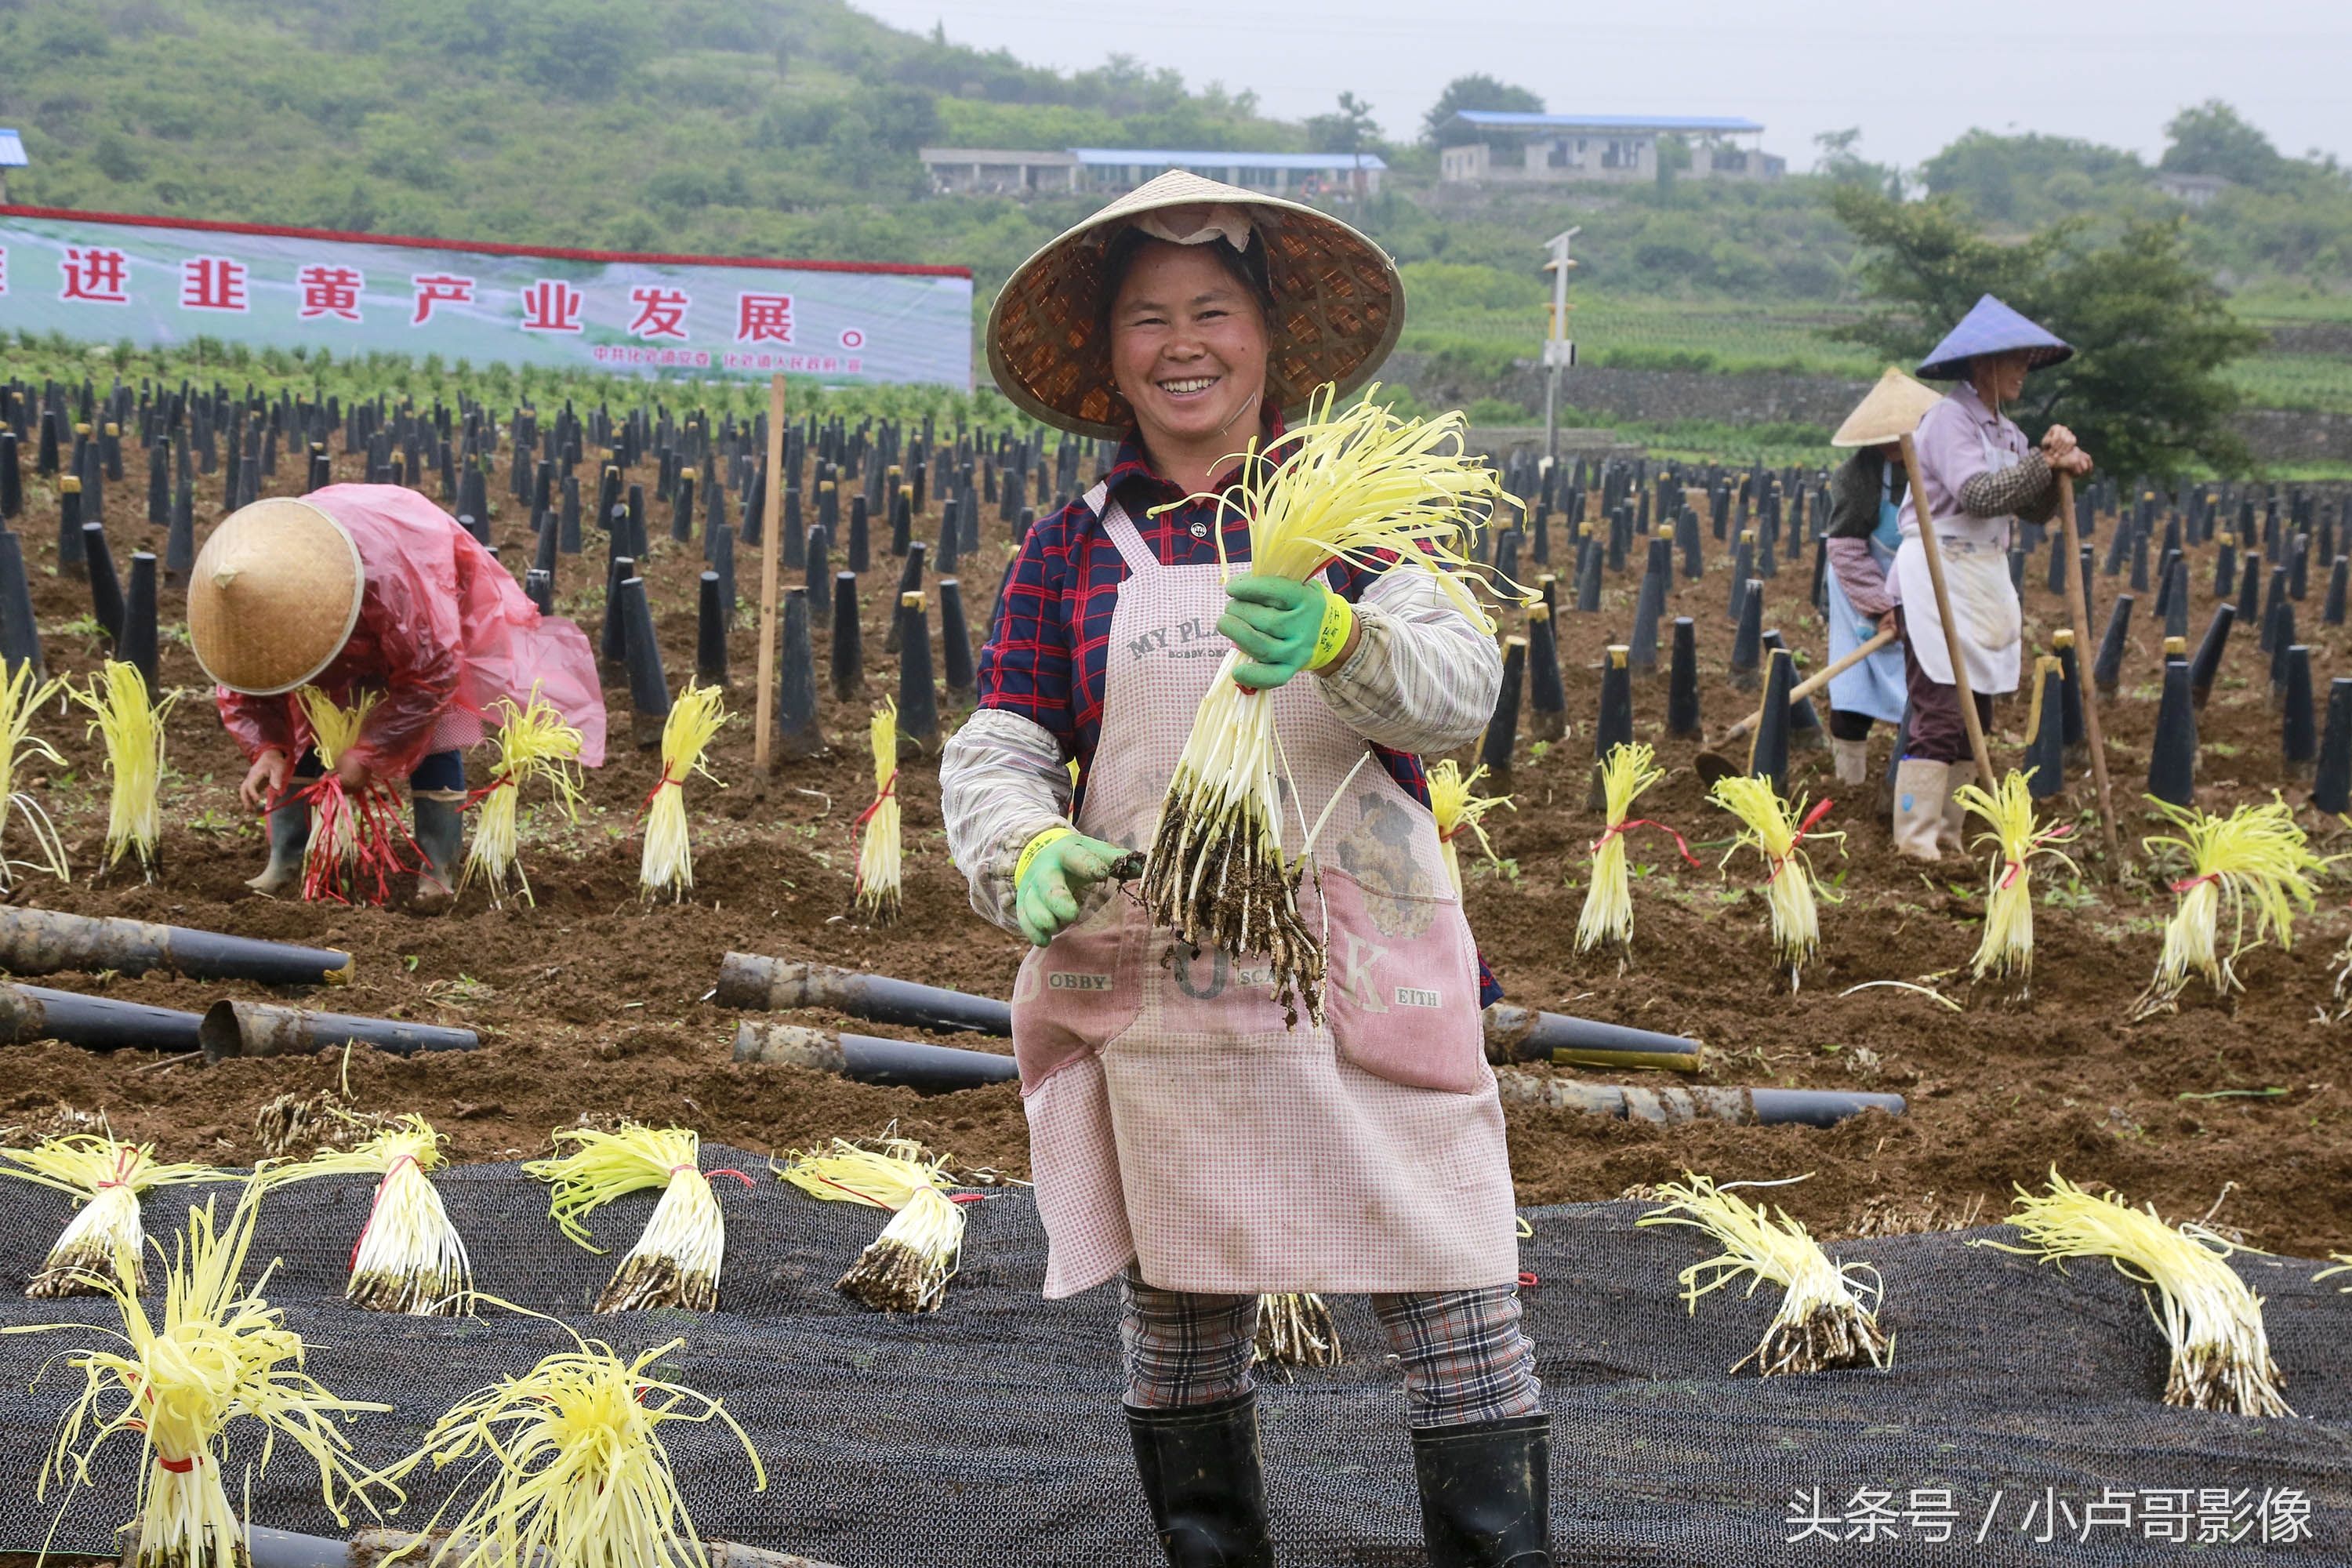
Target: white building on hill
[1492, 146]
[1108, 171]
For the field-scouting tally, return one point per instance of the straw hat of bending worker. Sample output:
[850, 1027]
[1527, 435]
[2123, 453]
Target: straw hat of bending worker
[1337, 303]
[274, 596]
[1891, 411]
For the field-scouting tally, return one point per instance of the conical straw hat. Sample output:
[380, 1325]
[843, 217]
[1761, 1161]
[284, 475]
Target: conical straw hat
[1338, 306]
[1891, 411]
[1990, 327]
[274, 596]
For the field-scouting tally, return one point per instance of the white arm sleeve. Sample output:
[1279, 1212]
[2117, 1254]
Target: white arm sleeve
[1424, 676]
[1002, 781]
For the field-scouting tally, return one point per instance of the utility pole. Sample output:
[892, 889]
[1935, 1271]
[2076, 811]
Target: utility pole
[1558, 350]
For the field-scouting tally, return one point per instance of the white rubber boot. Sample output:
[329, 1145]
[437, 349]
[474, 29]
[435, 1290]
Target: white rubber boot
[1852, 761]
[1922, 790]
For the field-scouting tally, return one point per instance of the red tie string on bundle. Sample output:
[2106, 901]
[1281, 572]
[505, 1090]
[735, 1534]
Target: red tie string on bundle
[1773, 828]
[353, 850]
[1608, 914]
[2005, 950]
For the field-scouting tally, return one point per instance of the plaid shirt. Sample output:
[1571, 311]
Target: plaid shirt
[1048, 655]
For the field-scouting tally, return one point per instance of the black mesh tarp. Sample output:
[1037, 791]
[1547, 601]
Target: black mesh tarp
[989, 1433]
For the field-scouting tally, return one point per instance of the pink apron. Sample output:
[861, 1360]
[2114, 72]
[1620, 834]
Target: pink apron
[1174, 1119]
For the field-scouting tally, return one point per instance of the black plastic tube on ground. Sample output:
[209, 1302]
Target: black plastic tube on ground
[1686, 540]
[848, 649]
[2107, 674]
[2283, 638]
[2225, 568]
[1748, 642]
[1743, 568]
[918, 700]
[542, 547]
[2172, 760]
[612, 637]
[540, 589]
[2209, 649]
[49, 941]
[1805, 731]
[798, 733]
[29, 1013]
[12, 477]
[1649, 605]
[1768, 749]
[1682, 680]
[1745, 1107]
[71, 543]
[1521, 1035]
[2331, 789]
[2046, 731]
[648, 683]
[1501, 735]
[2298, 745]
[1587, 577]
[259, 1029]
[1547, 695]
[1613, 726]
[910, 580]
[2339, 578]
[760, 983]
[868, 1059]
[180, 539]
[2071, 669]
[709, 632]
[2176, 602]
[20, 638]
[105, 584]
[137, 647]
[861, 548]
[681, 510]
[956, 671]
[2273, 603]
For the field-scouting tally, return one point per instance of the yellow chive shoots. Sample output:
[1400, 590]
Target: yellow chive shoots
[133, 725]
[2211, 1319]
[106, 1177]
[1458, 811]
[1363, 488]
[534, 743]
[1772, 827]
[2005, 951]
[695, 718]
[21, 699]
[907, 1266]
[218, 1352]
[332, 852]
[1608, 914]
[410, 1257]
[877, 891]
[577, 1471]
[2257, 857]
[675, 1262]
[1828, 1315]
[1295, 1329]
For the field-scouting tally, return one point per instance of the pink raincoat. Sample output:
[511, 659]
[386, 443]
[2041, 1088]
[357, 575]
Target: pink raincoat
[443, 634]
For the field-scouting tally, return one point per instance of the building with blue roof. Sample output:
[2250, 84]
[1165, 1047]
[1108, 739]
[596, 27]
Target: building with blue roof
[11, 156]
[1109, 171]
[1493, 147]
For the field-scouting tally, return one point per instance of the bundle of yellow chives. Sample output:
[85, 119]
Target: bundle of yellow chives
[878, 891]
[1295, 1329]
[218, 1353]
[668, 862]
[1826, 1318]
[2211, 1321]
[1609, 903]
[675, 1262]
[2256, 856]
[133, 725]
[1363, 488]
[21, 697]
[409, 1257]
[1458, 811]
[534, 743]
[907, 1266]
[1774, 830]
[2006, 950]
[578, 1473]
[337, 849]
[106, 1177]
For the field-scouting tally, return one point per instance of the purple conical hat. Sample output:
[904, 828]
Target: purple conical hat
[1991, 328]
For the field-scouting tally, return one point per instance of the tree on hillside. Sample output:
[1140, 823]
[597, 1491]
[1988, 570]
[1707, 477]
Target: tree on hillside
[2212, 139]
[2151, 332]
[2023, 180]
[1349, 128]
[1475, 92]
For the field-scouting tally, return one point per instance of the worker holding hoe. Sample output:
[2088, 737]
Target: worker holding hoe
[1186, 1140]
[1864, 532]
[1981, 477]
[372, 589]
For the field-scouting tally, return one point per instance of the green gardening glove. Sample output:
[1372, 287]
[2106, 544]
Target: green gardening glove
[1053, 874]
[1283, 627]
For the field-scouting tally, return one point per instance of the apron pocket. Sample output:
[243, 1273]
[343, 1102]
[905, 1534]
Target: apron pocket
[1401, 988]
[1073, 996]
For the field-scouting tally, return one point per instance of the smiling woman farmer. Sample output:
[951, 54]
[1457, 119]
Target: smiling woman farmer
[1185, 1140]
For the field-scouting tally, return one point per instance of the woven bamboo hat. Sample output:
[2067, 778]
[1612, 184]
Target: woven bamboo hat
[1338, 306]
[274, 596]
[1891, 411]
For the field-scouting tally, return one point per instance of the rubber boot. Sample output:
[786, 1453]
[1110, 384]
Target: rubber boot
[1485, 1493]
[1951, 833]
[290, 834]
[441, 834]
[1202, 1478]
[1852, 761]
[1922, 789]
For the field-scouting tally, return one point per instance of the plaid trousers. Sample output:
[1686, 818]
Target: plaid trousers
[1465, 1357]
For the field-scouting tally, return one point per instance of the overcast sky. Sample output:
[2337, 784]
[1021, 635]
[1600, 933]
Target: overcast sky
[1912, 76]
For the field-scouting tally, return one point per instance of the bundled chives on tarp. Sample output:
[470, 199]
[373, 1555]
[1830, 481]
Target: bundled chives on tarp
[2213, 1320]
[1776, 829]
[907, 1266]
[132, 726]
[2005, 953]
[2258, 857]
[1827, 1317]
[106, 1177]
[409, 1257]
[876, 898]
[219, 1352]
[577, 1471]
[1363, 488]
[534, 743]
[21, 695]
[695, 718]
[675, 1262]
[1458, 811]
